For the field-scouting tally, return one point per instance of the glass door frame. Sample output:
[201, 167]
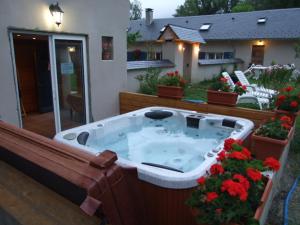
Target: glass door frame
[55, 92]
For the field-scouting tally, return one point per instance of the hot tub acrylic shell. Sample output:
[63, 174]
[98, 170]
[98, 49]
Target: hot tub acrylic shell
[158, 176]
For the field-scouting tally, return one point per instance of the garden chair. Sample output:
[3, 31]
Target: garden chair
[253, 88]
[248, 97]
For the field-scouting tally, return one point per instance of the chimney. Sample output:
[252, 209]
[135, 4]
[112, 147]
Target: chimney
[149, 16]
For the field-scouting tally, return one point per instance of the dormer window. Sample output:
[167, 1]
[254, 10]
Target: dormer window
[205, 27]
[262, 20]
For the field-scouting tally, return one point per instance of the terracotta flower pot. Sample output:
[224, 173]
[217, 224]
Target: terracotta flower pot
[263, 147]
[170, 92]
[221, 98]
[292, 115]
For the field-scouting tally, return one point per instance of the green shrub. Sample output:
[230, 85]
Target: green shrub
[149, 81]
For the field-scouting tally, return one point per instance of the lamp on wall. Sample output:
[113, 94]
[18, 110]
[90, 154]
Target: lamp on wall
[57, 13]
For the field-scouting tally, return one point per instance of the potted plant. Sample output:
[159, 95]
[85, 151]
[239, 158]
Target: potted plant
[171, 85]
[221, 93]
[288, 102]
[271, 137]
[233, 189]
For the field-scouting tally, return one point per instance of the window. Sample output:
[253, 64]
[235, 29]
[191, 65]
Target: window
[158, 56]
[219, 55]
[216, 55]
[138, 55]
[205, 27]
[262, 20]
[211, 55]
[202, 55]
[107, 48]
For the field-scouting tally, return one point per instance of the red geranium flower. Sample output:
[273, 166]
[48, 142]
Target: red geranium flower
[238, 83]
[234, 189]
[201, 180]
[242, 180]
[294, 104]
[228, 144]
[221, 155]
[216, 169]
[254, 174]
[246, 152]
[272, 163]
[286, 126]
[286, 119]
[237, 155]
[289, 88]
[176, 72]
[244, 87]
[281, 97]
[210, 196]
[223, 79]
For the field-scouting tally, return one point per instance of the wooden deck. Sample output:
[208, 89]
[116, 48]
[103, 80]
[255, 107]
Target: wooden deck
[23, 201]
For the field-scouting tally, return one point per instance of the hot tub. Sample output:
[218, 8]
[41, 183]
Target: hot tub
[170, 147]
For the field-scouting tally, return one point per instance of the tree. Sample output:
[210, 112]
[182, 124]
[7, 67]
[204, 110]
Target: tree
[243, 7]
[133, 37]
[189, 8]
[202, 7]
[135, 10]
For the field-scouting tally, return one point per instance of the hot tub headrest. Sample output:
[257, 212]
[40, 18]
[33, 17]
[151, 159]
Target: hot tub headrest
[158, 114]
[82, 137]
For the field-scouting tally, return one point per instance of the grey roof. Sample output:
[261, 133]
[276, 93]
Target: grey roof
[219, 61]
[136, 65]
[186, 34]
[280, 24]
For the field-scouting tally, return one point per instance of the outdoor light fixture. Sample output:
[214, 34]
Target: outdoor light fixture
[260, 43]
[57, 13]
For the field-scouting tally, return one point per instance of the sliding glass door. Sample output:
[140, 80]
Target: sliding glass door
[69, 81]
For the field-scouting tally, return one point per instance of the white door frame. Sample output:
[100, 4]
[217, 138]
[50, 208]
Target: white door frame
[55, 92]
[52, 55]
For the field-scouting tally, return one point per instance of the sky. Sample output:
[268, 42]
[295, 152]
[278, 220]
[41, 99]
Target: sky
[162, 8]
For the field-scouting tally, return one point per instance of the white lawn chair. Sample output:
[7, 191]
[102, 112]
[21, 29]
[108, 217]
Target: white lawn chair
[260, 92]
[248, 97]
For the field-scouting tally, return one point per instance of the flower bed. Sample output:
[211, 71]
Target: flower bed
[171, 85]
[221, 93]
[271, 138]
[235, 189]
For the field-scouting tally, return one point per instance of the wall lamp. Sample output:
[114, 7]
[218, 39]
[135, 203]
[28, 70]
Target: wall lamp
[57, 13]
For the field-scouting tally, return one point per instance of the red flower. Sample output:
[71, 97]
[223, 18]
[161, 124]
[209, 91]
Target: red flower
[210, 196]
[272, 163]
[201, 180]
[176, 73]
[242, 180]
[234, 189]
[281, 97]
[289, 88]
[237, 155]
[216, 169]
[219, 210]
[286, 119]
[228, 144]
[294, 104]
[238, 83]
[286, 126]
[244, 87]
[254, 174]
[246, 152]
[221, 155]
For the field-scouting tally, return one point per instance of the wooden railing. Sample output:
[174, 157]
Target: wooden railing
[133, 101]
[96, 183]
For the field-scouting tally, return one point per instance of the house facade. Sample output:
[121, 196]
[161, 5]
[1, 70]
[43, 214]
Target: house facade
[231, 41]
[71, 70]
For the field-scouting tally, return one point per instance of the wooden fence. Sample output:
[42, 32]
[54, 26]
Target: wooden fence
[133, 101]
